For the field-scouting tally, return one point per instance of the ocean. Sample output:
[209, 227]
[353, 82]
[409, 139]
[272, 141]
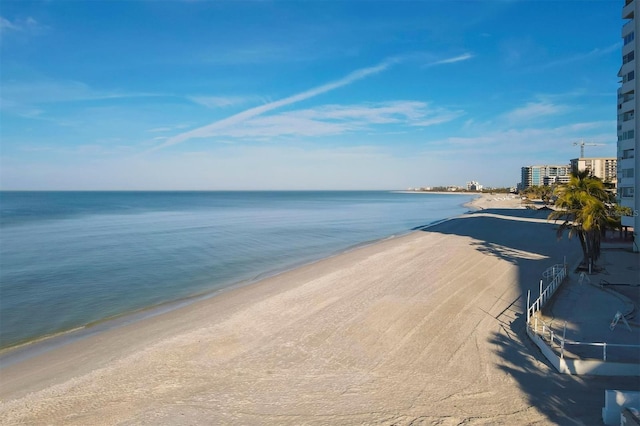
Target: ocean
[69, 260]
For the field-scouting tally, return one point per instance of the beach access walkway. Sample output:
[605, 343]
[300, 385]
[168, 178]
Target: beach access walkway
[598, 315]
[592, 317]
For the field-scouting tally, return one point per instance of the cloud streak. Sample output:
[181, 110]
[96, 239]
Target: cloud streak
[210, 129]
[455, 59]
[338, 119]
[28, 26]
[534, 110]
[218, 126]
[595, 53]
[525, 145]
[218, 101]
[17, 25]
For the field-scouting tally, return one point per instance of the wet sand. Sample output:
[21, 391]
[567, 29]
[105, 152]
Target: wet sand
[426, 328]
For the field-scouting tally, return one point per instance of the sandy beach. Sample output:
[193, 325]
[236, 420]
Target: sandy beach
[426, 328]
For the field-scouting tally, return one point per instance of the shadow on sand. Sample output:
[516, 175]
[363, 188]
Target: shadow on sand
[532, 247]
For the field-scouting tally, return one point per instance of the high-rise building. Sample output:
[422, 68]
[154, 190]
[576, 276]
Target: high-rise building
[628, 153]
[544, 175]
[603, 168]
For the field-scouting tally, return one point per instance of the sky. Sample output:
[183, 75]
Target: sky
[301, 95]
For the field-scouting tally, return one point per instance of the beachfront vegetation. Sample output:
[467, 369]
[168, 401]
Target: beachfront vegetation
[505, 190]
[587, 211]
[539, 192]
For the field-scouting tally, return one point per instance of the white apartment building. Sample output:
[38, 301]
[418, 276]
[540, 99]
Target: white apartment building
[544, 175]
[628, 152]
[603, 168]
[474, 186]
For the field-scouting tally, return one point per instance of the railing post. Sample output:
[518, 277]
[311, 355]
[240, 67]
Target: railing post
[541, 289]
[528, 298]
[564, 334]
[604, 352]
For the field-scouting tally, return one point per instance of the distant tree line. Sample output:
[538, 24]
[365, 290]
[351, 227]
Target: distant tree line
[497, 190]
[540, 192]
[460, 189]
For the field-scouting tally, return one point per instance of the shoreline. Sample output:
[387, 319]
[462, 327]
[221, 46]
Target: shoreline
[426, 326]
[27, 349]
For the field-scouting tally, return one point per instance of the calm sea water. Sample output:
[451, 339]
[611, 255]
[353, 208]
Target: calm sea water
[68, 259]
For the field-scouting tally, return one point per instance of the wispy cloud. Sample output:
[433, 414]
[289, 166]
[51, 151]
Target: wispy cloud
[533, 110]
[254, 54]
[595, 53]
[404, 111]
[165, 129]
[218, 127]
[338, 119]
[526, 145]
[23, 26]
[212, 128]
[54, 91]
[219, 101]
[460, 58]
[532, 57]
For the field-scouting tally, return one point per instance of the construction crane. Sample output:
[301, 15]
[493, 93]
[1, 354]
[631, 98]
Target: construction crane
[583, 144]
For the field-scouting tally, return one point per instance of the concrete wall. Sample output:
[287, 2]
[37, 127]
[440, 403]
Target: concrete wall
[615, 401]
[581, 366]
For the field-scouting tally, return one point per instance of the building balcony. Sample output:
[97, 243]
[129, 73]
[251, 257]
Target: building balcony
[625, 126]
[628, 86]
[627, 106]
[628, 48]
[627, 10]
[627, 28]
[626, 68]
[627, 163]
[623, 146]
[624, 97]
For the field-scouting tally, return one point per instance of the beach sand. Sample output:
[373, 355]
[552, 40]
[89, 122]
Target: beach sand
[497, 201]
[426, 328]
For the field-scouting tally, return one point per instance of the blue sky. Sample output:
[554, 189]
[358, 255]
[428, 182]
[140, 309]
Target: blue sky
[301, 94]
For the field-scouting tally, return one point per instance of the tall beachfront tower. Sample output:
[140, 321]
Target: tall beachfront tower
[628, 152]
[605, 168]
[544, 175]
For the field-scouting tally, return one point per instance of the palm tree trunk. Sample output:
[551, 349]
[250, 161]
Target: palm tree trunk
[585, 248]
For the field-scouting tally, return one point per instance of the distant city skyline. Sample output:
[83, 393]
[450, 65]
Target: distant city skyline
[201, 95]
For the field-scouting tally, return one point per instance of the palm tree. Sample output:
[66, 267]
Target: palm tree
[545, 193]
[539, 192]
[584, 207]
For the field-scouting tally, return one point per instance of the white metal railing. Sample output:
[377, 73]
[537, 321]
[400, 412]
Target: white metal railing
[560, 341]
[557, 274]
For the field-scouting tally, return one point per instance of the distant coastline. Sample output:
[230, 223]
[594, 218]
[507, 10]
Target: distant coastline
[440, 192]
